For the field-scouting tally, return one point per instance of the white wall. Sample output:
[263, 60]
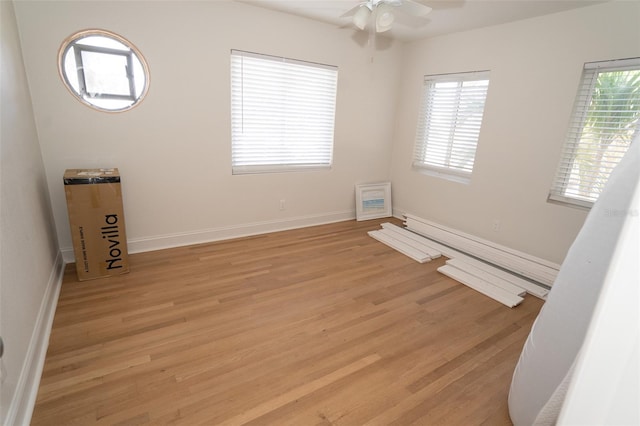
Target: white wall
[535, 68]
[28, 245]
[173, 150]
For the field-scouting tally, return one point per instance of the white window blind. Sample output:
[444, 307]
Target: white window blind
[282, 113]
[604, 122]
[449, 123]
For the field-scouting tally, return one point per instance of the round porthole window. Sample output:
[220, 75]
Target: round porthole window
[103, 70]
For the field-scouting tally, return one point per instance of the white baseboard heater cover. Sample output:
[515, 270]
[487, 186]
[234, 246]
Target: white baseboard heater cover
[532, 267]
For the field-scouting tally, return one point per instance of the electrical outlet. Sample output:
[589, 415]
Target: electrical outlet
[282, 204]
[496, 225]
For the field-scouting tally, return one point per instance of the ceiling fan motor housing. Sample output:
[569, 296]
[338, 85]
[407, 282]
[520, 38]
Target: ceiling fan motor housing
[389, 2]
[383, 13]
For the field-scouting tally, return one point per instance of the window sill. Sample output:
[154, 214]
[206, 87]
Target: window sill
[252, 170]
[569, 202]
[444, 174]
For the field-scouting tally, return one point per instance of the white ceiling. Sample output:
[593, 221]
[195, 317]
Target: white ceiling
[448, 16]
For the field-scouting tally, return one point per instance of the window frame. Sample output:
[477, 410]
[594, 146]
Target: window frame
[84, 97]
[420, 157]
[571, 144]
[284, 163]
[78, 48]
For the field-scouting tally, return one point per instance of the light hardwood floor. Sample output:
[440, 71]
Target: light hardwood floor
[316, 326]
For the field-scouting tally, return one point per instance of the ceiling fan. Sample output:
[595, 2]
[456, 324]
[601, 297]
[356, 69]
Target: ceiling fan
[381, 13]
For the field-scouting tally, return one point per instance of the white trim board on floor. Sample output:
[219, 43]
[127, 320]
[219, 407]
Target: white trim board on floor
[485, 276]
[446, 251]
[496, 288]
[402, 247]
[488, 289]
[531, 288]
[476, 267]
[410, 238]
[520, 263]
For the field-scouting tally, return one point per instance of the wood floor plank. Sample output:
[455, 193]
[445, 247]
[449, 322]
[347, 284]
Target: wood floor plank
[299, 392]
[315, 326]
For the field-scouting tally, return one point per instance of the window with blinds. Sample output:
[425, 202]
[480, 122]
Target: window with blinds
[282, 113]
[604, 122]
[449, 124]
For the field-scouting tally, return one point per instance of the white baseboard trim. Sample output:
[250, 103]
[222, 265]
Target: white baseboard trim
[160, 242]
[399, 214]
[24, 398]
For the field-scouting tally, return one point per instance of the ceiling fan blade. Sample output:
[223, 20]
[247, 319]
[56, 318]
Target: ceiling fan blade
[414, 8]
[351, 11]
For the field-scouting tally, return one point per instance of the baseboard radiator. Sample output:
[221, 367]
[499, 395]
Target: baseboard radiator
[499, 272]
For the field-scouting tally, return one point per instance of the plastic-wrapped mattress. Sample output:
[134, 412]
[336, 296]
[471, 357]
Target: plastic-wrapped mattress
[543, 372]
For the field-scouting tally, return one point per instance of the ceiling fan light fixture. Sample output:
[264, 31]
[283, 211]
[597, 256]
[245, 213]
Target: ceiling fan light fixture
[384, 17]
[361, 17]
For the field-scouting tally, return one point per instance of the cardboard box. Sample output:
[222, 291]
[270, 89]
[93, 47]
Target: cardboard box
[96, 217]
